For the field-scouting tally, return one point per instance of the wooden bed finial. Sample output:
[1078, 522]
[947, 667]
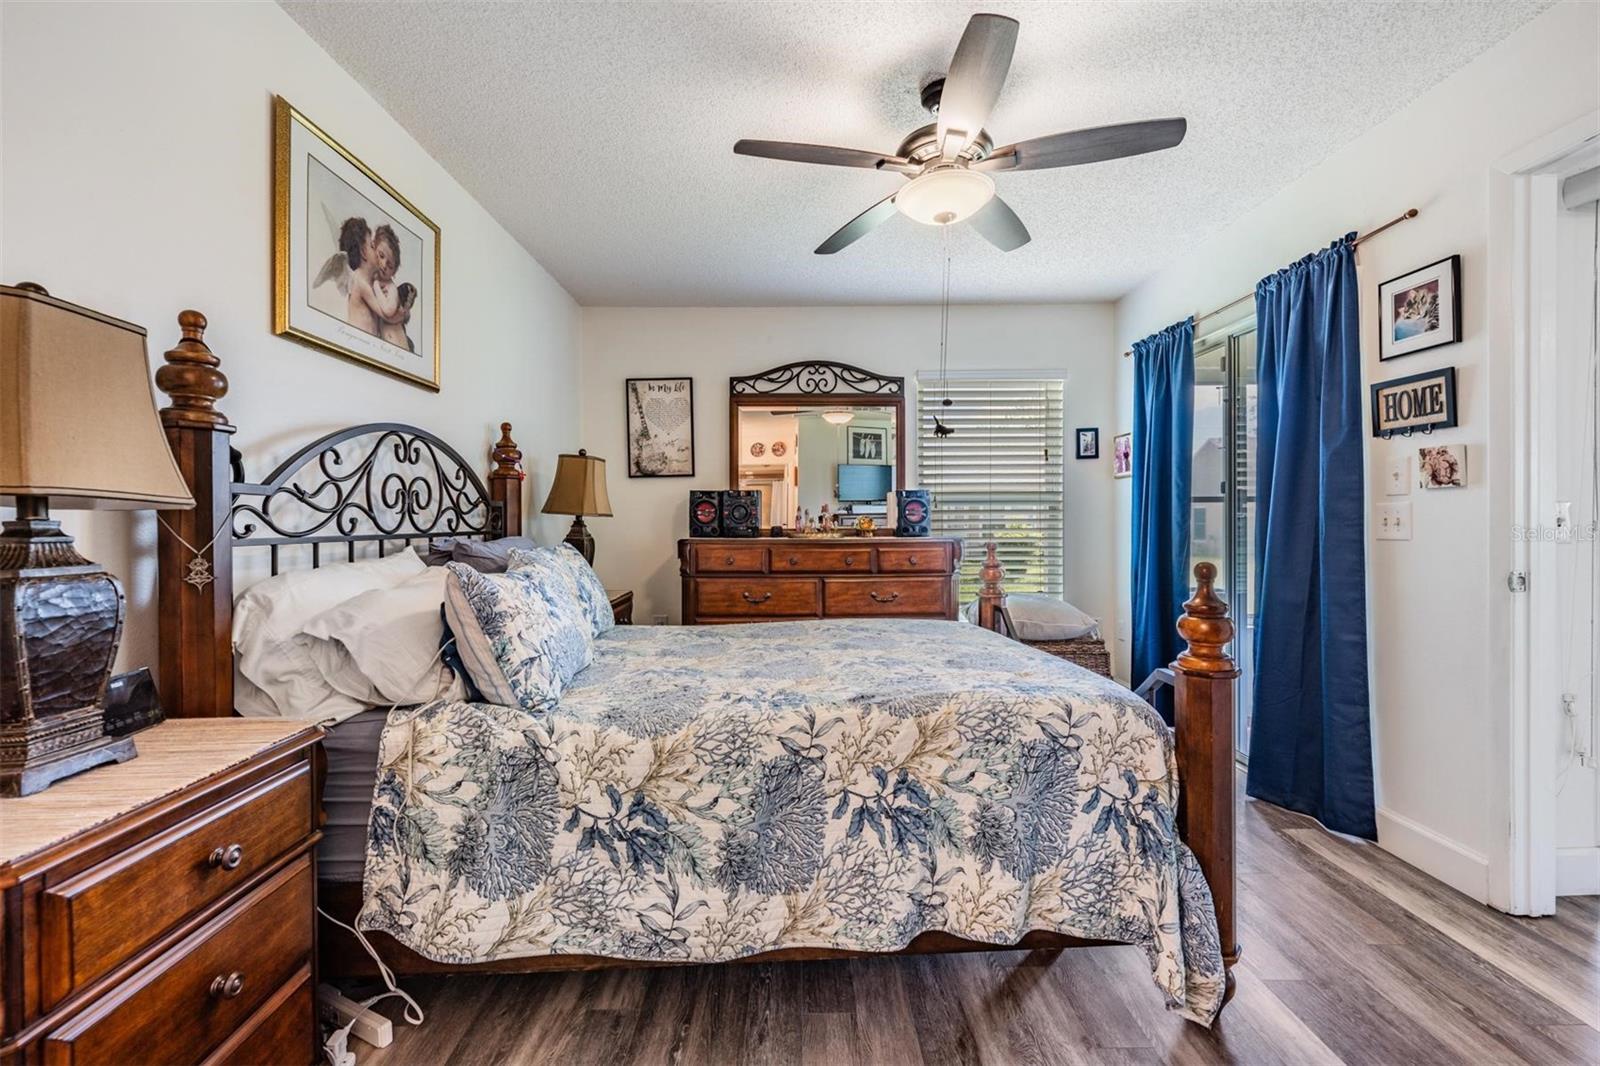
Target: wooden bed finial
[1208, 629]
[505, 483]
[992, 593]
[191, 379]
[506, 455]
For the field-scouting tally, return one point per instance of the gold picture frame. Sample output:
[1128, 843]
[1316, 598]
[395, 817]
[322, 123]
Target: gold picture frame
[306, 305]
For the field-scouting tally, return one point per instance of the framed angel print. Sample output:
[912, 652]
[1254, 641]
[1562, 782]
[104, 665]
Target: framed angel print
[355, 267]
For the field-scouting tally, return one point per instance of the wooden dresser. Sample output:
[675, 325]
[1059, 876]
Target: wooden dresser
[161, 910]
[757, 579]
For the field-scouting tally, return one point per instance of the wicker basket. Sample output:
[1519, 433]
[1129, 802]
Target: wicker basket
[1090, 653]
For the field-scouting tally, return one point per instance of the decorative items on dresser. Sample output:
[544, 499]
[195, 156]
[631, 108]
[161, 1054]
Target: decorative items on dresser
[579, 489]
[621, 606]
[781, 578]
[163, 910]
[60, 614]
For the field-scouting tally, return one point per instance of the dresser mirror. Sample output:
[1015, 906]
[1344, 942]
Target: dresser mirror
[817, 434]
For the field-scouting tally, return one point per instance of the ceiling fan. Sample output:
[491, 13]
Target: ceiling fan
[950, 159]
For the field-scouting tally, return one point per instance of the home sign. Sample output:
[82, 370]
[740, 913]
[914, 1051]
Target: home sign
[1420, 403]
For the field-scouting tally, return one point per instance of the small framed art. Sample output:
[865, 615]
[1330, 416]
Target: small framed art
[660, 427]
[1088, 443]
[1122, 455]
[355, 266]
[1420, 310]
[869, 445]
[1443, 466]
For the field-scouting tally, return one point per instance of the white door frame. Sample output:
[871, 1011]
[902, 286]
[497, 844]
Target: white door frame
[1523, 204]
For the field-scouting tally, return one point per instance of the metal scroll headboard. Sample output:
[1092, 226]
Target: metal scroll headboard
[403, 486]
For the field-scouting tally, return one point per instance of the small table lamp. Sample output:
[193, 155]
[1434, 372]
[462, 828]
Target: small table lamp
[78, 429]
[579, 489]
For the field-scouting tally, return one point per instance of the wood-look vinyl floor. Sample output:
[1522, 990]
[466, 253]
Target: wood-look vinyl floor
[1349, 956]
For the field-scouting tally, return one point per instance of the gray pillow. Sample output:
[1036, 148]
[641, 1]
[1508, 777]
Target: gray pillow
[1040, 617]
[439, 551]
[488, 556]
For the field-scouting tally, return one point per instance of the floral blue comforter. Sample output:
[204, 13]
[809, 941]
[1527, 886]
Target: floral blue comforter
[704, 793]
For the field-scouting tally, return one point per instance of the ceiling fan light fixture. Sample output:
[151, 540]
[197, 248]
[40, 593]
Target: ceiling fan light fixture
[944, 195]
[837, 418]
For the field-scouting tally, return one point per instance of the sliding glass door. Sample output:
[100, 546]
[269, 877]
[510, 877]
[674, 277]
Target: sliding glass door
[1222, 527]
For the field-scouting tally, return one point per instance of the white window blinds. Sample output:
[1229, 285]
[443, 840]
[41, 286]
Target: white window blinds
[999, 476]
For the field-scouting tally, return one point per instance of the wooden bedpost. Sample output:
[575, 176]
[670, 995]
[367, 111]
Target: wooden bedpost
[991, 594]
[505, 481]
[1203, 680]
[195, 595]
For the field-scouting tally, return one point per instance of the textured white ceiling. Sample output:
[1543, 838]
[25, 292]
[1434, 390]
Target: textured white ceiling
[601, 134]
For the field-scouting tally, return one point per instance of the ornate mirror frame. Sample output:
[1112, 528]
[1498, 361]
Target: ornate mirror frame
[817, 383]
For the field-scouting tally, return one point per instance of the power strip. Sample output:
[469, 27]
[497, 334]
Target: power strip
[364, 1022]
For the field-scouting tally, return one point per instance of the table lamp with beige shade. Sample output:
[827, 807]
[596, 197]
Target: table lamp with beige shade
[78, 430]
[579, 489]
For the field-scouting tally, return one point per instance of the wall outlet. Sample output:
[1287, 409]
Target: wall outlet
[658, 619]
[1398, 481]
[1394, 521]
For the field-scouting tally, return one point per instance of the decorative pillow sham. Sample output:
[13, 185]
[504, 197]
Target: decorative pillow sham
[591, 593]
[522, 635]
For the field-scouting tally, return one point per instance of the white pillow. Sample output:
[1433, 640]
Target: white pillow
[382, 646]
[1041, 617]
[269, 617]
[251, 702]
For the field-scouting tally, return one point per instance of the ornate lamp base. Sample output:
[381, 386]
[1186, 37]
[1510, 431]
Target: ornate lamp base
[580, 537]
[60, 623]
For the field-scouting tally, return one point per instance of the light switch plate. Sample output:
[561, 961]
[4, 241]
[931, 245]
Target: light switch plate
[1398, 482]
[1394, 521]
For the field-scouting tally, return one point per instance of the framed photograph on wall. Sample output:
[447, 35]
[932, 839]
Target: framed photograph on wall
[1088, 443]
[355, 266]
[869, 445]
[1122, 455]
[1420, 310]
[660, 427]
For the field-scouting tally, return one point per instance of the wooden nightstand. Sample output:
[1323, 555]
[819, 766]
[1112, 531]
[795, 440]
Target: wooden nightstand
[621, 605]
[162, 910]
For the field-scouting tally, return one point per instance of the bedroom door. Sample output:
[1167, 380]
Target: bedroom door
[1222, 524]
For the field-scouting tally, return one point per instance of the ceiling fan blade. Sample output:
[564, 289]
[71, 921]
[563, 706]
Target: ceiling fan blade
[1000, 226]
[858, 227]
[977, 73]
[826, 155]
[1087, 146]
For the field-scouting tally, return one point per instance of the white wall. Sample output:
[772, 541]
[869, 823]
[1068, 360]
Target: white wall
[638, 547]
[1436, 645]
[136, 180]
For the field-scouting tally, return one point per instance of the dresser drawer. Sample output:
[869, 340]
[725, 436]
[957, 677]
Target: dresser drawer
[281, 1031]
[102, 916]
[822, 560]
[768, 597]
[929, 560]
[896, 596]
[198, 995]
[719, 558]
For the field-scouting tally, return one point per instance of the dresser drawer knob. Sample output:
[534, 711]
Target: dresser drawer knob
[794, 560]
[728, 561]
[849, 560]
[878, 597]
[911, 560]
[763, 598]
[227, 858]
[227, 987]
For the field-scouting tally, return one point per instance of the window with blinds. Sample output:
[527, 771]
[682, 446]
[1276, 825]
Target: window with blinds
[999, 476]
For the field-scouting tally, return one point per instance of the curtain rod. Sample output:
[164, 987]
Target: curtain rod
[1410, 213]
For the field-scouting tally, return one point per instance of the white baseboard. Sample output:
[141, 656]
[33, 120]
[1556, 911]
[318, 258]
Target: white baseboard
[1578, 871]
[1435, 855]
